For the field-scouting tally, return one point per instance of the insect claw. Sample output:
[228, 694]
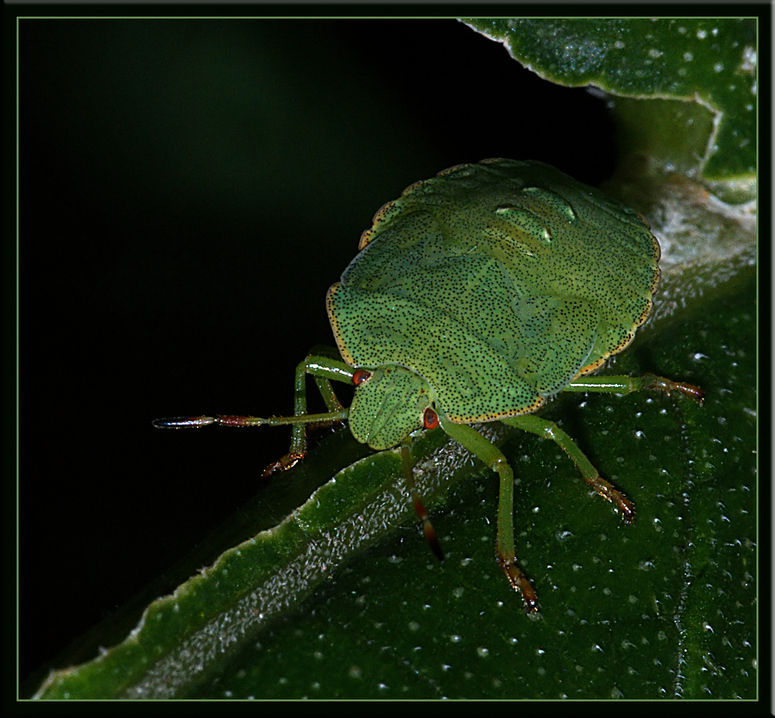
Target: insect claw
[530, 601]
[427, 527]
[693, 392]
[666, 385]
[617, 498]
[624, 505]
[520, 583]
[286, 462]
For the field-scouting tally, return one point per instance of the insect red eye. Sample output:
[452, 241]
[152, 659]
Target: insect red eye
[430, 419]
[360, 376]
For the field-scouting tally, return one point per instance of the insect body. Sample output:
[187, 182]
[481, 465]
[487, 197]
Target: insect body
[476, 296]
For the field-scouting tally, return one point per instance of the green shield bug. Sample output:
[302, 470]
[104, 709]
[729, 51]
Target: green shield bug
[472, 300]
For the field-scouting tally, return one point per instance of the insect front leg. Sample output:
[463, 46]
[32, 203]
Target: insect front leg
[487, 452]
[419, 506]
[324, 370]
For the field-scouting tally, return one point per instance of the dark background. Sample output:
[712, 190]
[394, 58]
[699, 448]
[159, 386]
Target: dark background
[188, 191]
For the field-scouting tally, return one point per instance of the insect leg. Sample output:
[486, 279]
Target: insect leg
[419, 506]
[550, 430]
[324, 370]
[629, 384]
[328, 394]
[487, 452]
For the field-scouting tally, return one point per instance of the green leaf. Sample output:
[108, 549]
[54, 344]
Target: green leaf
[684, 90]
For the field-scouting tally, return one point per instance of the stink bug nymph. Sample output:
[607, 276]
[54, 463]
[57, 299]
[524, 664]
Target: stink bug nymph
[471, 301]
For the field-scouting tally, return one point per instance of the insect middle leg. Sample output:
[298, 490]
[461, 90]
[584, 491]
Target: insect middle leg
[607, 385]
[549, 430]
